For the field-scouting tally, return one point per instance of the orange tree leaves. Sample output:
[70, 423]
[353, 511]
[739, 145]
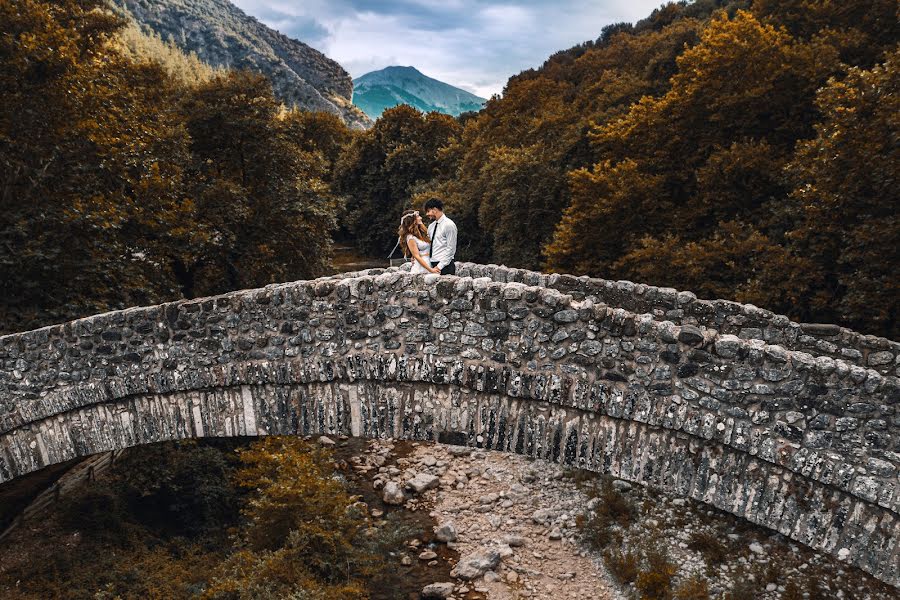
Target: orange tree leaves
[846, 189]
[122, 185]
[301, 528]
[724, 221]
[80, 129]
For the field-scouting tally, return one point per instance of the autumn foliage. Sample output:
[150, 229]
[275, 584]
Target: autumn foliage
[214, 519]
[128, 180]
[741, 150]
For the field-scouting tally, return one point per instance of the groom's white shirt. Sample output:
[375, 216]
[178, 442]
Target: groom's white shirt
[443, 247]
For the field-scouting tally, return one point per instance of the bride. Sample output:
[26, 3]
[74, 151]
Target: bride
[414, 236]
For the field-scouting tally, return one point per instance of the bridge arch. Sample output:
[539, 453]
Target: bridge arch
[803, 443]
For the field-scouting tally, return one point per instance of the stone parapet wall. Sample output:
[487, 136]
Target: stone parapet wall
[804, 444]
[744, 320]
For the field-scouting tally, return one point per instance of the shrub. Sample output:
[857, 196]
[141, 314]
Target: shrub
[655, 583]
[693, 588]
[182, 488]
[281, 573]
[97, 513]
[743, 589]
[792, 591]
[710, 546]
[613, 508]
[622, 564]
[299, 512]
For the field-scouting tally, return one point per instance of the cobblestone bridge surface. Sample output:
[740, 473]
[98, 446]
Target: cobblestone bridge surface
[791, 426]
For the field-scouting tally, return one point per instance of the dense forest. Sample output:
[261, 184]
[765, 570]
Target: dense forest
[739, 149]
[130, 175]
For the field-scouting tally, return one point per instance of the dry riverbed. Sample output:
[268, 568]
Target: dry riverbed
[504, 527]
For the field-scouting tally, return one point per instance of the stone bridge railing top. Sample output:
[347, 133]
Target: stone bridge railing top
[684, 308]
[743, 320]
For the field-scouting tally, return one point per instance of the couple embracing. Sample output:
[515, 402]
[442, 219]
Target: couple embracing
[431, 249]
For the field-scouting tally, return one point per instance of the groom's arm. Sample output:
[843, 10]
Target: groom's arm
[450, 238]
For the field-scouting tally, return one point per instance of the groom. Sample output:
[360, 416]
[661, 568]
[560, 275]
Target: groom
[442, 233]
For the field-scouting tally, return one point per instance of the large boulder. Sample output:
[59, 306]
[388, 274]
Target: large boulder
[393, 494]
[476, 564]
[422, 482]
[445, 532]
[437, 590]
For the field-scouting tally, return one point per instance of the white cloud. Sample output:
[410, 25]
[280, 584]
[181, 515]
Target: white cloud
[473, 44]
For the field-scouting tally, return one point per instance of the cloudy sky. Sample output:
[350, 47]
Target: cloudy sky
[473, 44]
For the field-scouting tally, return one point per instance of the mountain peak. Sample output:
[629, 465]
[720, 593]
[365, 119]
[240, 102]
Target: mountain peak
[379, 90]
[400, 69]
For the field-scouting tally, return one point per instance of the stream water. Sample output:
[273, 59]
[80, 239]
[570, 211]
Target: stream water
[406, 581]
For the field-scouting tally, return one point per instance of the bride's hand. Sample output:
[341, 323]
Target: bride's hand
[435, 270]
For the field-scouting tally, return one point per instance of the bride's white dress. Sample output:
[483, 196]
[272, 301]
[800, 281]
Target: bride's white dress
[424, 250]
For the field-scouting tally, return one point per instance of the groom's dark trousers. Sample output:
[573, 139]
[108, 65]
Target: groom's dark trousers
[448, 270]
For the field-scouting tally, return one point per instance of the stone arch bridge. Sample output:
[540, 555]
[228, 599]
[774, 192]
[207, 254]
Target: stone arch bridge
[791, 426]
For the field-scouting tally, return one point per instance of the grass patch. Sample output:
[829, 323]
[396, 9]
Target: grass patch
[582, 478]
[612, 509]
[655, 582]
[622, 565]
[710, 546]
[692, 588]
[744, 588]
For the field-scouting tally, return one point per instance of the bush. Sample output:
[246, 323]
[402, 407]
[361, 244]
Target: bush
[655, 583]
[300, 523]
[693, 588]
[709, 545]
[743, 589]
[622, 564]
[97, 514]
[282, 573]
[180, 488]
[613, 508]
[792, 591]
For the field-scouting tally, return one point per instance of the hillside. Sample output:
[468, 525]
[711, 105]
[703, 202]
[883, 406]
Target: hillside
[379, 90]
[708, 147]
[222, 35]
[134, 173]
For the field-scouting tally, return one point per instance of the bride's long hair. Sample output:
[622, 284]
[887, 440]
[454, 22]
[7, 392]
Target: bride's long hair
[408, 226]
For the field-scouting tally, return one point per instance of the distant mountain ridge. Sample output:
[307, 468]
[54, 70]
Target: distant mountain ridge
[379, 90]
[222, 35]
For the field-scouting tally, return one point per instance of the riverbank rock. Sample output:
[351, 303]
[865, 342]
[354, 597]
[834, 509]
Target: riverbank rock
[437, 590]
[393, 494]
[476, 564]
[423, 481]
[445, 532]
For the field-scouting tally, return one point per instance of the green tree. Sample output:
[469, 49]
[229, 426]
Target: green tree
[318, 132]
[121, 184]
[91, 157]
[384, 167]
[263, 211]
[846, 193]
